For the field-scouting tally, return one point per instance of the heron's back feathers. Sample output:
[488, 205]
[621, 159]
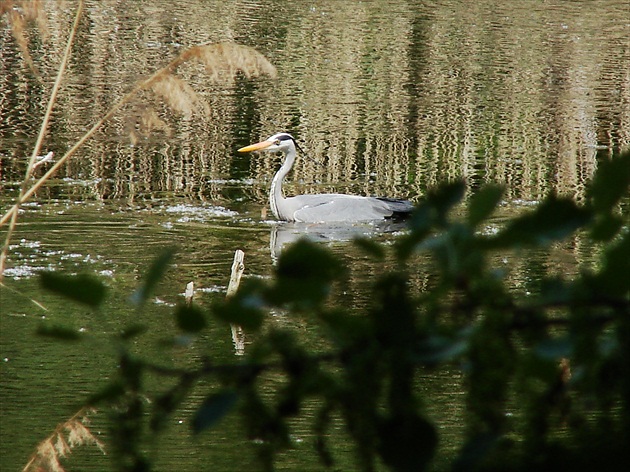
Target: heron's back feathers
[347, 208]
[399, 207]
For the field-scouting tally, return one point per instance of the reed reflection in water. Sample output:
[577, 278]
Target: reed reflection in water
[393, 97]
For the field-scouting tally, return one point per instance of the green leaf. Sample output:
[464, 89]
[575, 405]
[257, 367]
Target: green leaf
[131, 370]
[430, 214]
[475, 451]
[164, 405]
[154, 275]
[606, 227]
[133, 331]
[213, 409]
[81, 288]
[440, 349]
[554, 219]
[321, 427]
[370, 247]
[244, 309]
[58, 332]
[190, 319]
[110, 392]
[483, 203]
[304, 275]
[346, 329]
[613, 278]
[446, 196]
[555, 291]
[407, 442]
[305, 260]
[555, 348]
[610, 183]
[421, 219]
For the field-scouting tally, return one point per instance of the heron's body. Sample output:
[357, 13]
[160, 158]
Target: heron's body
[326, 207]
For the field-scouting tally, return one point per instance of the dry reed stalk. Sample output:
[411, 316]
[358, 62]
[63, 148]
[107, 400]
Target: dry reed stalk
[223, 60]
[218, 59]
[66, 436]
[247, 60]
[18, 14]
[178, 95]
[33, 10]
[143, 121]
[40, 137]
[23, 295]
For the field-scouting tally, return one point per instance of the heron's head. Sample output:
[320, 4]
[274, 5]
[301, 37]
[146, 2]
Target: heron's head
[278, 142]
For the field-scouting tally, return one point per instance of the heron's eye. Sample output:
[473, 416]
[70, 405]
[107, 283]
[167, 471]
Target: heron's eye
[277, 143]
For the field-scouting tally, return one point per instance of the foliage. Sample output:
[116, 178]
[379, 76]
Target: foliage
[561, 355]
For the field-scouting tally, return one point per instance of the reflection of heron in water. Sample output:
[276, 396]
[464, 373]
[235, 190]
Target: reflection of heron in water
[326, 207]
[284, 234]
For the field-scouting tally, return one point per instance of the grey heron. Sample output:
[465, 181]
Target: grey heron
[323, 207]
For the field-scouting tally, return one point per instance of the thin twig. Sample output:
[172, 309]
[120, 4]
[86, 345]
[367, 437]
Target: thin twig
[17, 292]
[207, 368]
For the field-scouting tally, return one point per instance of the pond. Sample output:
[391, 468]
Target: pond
[386, 97]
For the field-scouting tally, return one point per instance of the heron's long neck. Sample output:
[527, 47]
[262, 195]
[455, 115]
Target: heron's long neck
[276, 198]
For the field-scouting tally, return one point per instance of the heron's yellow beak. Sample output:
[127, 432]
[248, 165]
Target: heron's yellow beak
[256, 147]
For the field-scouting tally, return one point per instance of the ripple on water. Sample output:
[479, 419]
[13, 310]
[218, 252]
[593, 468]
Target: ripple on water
[201, 214]
[31, 257]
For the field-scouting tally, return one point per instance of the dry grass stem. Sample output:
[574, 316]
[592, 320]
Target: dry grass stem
[178, 95]
[59, 444]
[21, 294]
[33, 10]
[18, 15]
[142, 121]
[223, 60]
[150, 121]
[18, 31]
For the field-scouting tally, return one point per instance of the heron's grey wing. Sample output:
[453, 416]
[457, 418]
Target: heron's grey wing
[341, 208]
